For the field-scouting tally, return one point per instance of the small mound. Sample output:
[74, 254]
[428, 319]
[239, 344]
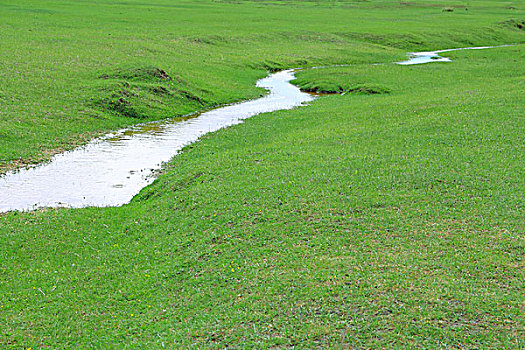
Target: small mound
[146, 100]
[146, 92]
[333, 88]
[141, 74]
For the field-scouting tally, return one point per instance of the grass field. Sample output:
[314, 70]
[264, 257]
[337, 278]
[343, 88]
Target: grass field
[384, 220]
[72, 69]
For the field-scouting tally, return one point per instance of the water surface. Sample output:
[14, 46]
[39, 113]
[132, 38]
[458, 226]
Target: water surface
[433, 56]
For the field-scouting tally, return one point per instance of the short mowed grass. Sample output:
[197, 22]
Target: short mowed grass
[364, 220]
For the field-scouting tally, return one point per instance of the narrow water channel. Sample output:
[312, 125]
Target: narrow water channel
[433, 56]
[111, 170]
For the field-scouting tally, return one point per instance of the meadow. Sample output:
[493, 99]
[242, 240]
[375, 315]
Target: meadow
[70, 70]
[390, 216]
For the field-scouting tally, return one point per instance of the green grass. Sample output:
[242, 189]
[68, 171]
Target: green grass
[62, 62]
[388, 220]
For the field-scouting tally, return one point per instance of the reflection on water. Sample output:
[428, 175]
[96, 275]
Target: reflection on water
[109, 171]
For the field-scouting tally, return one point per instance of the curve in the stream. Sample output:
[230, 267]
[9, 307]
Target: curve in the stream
[433, 56]
[111, 170]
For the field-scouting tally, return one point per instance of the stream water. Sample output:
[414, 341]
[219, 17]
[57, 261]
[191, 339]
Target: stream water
[110, 170]
[433, 56]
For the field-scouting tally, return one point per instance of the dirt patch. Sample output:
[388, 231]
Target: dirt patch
[123, 107]
[159, 90]
[514, 24]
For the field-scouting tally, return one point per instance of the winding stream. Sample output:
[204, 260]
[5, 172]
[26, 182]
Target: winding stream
[433, 56]
[109, 171]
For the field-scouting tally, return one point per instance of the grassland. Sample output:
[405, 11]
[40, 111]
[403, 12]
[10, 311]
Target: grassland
[388, 220]
[72, 69]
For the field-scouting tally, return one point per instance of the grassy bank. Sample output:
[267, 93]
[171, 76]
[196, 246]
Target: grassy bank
[368, 220]
[70, 69]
